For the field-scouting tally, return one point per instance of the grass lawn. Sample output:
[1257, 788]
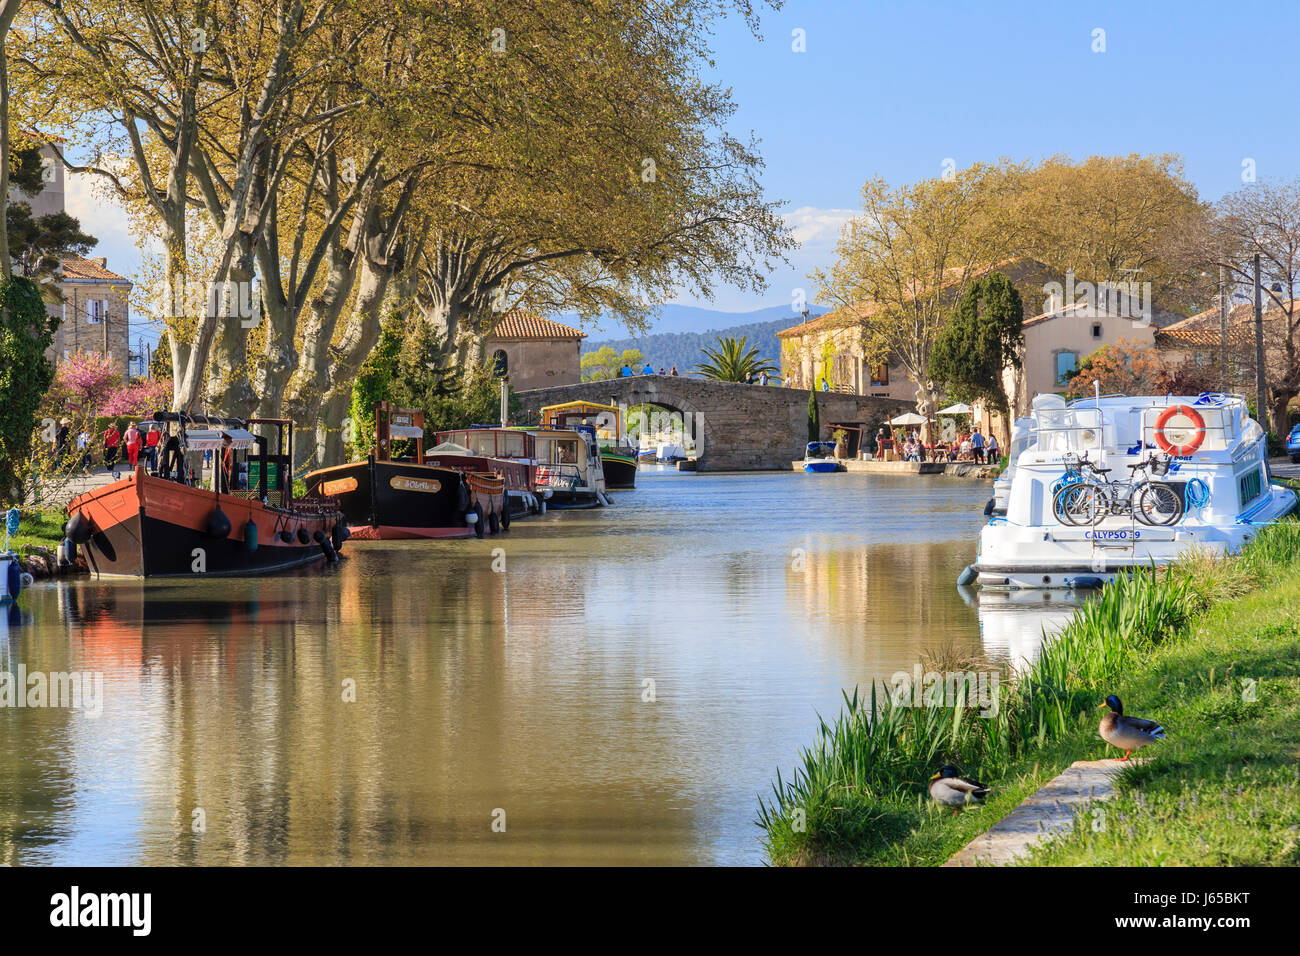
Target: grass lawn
[1224, 788]
[38, 528]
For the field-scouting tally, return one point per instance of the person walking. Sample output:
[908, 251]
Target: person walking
[83, 449]
[977, 445]
[992, 451]
[112, 438]
[132, 439]
[151, 439]
[61, 438]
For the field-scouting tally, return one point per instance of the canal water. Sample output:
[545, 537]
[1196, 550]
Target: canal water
[615, 686]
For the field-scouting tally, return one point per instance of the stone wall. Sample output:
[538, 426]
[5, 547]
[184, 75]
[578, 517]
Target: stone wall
[741, 427]
[538, 363]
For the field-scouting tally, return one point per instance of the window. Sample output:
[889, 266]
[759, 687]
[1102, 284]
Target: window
[879, 375]
[1096, 330]
[1067, 363]
[95, 311]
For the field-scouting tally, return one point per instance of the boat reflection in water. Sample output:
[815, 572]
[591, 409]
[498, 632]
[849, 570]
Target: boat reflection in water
[1014, 624]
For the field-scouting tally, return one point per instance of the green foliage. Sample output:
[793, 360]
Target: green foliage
[405, 369]
[26, 331]
[814, 417]
[606, 363]
[984, 337]
[39, 244]
[160, 363]
[686, 349]
[733, 361]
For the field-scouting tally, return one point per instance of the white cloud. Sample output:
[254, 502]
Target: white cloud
[821, 227]
[86, 198]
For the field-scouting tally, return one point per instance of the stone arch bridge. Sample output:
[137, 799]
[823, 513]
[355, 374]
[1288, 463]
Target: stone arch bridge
[737, 427]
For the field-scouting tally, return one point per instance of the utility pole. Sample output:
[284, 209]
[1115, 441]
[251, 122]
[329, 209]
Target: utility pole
[1224, 378]
[1261, 393]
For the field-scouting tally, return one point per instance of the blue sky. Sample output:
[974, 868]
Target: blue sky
[894, 89]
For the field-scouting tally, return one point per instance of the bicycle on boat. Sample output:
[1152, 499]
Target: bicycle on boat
[1086, 496]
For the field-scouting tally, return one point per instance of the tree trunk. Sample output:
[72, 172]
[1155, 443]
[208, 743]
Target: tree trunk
[8, 10]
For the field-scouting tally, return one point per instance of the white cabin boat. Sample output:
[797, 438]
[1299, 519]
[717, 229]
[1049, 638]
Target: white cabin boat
[1208, 454]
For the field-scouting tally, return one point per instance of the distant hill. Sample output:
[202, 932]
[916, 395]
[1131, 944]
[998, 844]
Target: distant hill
[683, 346]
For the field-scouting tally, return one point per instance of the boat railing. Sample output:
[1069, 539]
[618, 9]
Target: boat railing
[1070, 429]
[1222, 423]
[558, 477]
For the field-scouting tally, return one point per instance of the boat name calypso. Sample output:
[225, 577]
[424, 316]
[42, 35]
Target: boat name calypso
[1125, 535]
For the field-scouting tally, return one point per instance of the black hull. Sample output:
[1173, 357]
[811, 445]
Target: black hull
[149, 547]
[393, 499]
[619, 474]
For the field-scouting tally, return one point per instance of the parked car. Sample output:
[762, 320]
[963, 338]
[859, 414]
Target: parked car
[1293, 443]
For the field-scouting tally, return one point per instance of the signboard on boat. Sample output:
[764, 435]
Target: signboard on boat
[403, 483]
[338, 486]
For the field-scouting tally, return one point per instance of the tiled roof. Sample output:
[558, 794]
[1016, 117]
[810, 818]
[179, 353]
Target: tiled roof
[1170, 338]
[1014, 268]
[75, 267]
[520, 324]
[1242, 314]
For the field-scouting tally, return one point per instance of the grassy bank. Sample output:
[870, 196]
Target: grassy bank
[858, 795]
[40, 528]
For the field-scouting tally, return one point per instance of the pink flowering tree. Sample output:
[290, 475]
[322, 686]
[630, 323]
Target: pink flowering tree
[83, 383]
[140, 398]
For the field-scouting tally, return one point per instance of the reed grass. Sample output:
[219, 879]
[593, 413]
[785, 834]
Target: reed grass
[860, 788]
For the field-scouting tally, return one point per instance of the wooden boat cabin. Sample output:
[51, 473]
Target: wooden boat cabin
[512, 454]
[569, 469]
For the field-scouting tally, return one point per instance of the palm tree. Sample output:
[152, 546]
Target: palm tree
[733, 360]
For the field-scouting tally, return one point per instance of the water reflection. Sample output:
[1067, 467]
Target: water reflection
[380, 711]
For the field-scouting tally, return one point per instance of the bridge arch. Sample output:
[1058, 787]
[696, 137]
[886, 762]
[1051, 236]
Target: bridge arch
[740, 427]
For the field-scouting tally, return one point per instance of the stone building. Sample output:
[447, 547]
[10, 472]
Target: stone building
[533, 351]
[1065, 321]
[95, 311]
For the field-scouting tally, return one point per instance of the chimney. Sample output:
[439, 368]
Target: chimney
[102, 260]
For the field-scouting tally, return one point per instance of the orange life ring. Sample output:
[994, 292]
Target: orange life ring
[1198, 427]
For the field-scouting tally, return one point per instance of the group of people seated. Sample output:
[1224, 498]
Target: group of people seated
[969, 446]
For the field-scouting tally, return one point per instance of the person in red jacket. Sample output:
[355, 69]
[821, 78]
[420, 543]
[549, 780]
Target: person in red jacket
[151, 439]
[112, 438]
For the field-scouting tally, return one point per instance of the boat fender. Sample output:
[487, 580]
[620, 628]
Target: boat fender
[79, 528]
[286, 535]
[27, 579]
[303, 536]
[218, 524]
[988, 507]
[336, 535]
[493, 523]
[541, 509]
[479, 526]
[250, 535]
[464, 494]
[967, 577]
[326, 546]
[603, 498]
[14, 580]
[1084, 581]
[67, 553]
[505, 517]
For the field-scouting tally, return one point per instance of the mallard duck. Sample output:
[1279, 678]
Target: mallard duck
[951, 789]
[1126, 733]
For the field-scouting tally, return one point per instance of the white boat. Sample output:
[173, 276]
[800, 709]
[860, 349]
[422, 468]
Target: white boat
[1114, 482]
